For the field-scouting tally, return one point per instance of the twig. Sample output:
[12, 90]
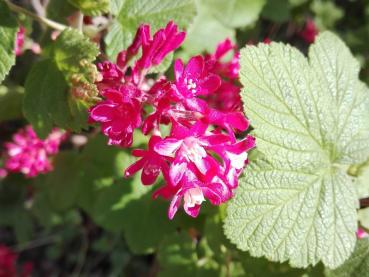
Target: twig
[364, 203]
[40, 10]
[46, 21]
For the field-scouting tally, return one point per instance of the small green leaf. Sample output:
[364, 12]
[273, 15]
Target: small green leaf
[178, 257]
[206, 31]
[46, 100]
[357, 265]
[157, 13]
[11, 99]
[91, 7]
[235, 13]
[296, 202]
[8, 31]
[277, 10]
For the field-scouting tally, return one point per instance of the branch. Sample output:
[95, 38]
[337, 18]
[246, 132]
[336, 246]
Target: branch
[43, 20]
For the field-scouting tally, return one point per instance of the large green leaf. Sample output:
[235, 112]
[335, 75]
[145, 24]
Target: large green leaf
[47, 100]
[357, 265]
[8, 31]
[157, 13]
[296, 202]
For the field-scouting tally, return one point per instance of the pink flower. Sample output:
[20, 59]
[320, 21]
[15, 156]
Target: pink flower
[227, 96]
[193, 192]
[309, 32]
[119, 114]
[30, 155]
[361, 233]
[194, 80]
[217, 64]
[151, 163]
[8, 264]
[19, 41]
[155, 49]
[189, 148]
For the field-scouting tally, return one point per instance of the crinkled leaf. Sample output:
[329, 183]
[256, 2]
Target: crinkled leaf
[297, 202]
[157, 13]
[235, 13]
[357, 265]
[47, 100]
[8, 31]
[91, 7]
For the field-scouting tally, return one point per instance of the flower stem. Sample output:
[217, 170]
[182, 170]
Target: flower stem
[43, 20]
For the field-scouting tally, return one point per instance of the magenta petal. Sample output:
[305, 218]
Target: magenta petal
[194, 211]
[102, 112]
[195, 66]
[178, 69]
[237, 120]
[168, 146]
[174, 205]
[149, 174]
[210, 84]
[177, 171]
[133, 168]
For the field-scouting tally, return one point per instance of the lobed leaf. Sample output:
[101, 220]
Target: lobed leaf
[92, 7]
[295, 201]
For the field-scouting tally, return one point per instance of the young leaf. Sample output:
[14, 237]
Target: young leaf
[357, 265]
[91, 7]
[70, 48]
[157, 13]
[296, 202]
[8, 31]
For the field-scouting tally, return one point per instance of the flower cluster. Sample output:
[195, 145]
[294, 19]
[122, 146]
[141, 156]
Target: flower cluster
[29, 155]
[8, 266]
[201, 157]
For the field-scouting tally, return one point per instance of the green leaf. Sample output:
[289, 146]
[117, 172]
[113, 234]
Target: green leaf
[72, 47]
[11, 99]
[326, 13]
[91, 7]
[8, 31]
[61, 185]
[277, 10]
[235, 13]
[206, 31]
[296, 202]
[178, 257]
[157, 13]
[47, 100]
[140, 216]
[357, 265]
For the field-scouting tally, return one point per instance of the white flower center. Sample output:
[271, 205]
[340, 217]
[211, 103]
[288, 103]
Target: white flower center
[193, 197]
[191, 85]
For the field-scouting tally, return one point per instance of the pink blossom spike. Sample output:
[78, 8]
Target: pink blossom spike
[29, 155]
